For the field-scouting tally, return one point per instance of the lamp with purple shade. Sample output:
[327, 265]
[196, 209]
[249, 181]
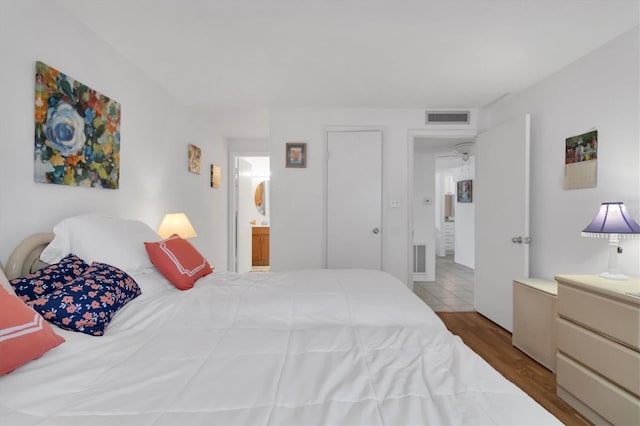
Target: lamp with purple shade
[613, 222]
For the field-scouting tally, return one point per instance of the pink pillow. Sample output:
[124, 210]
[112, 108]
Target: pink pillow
[178, 261]
[24, 334]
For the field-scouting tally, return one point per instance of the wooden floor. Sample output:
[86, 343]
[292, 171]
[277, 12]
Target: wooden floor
[493, 343]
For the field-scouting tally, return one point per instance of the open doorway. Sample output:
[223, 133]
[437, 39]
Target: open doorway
[443, 222]
[251, 215]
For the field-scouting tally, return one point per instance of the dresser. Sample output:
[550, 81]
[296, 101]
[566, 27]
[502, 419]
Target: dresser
[534, 319]
[260, 246]
[598, 338]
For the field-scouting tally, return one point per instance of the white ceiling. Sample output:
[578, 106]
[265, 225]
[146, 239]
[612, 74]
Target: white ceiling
[233, 60]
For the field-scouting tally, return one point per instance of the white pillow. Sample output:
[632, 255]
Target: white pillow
[99, 238]
[4, 282]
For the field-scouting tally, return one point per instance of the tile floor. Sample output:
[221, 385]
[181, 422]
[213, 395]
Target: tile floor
[452, 291]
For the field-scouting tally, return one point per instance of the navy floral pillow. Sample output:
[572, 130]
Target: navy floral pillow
[89, 303]
[46, 280]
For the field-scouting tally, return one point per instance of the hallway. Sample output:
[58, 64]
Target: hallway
[452, 291]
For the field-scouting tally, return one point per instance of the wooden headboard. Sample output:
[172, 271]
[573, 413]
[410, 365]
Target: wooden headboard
[25, 258]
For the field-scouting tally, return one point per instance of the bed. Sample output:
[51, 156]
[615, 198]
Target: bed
[295, 348]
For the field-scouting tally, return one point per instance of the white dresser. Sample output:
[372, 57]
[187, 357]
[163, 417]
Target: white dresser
[449, 236]
[598, 337]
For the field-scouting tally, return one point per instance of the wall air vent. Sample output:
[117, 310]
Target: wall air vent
[448, 117]
[420, 258]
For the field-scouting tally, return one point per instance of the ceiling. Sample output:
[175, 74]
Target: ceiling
[233, 60]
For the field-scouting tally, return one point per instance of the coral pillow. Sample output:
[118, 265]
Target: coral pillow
[53, 277]
[178, 261]
[24, 334]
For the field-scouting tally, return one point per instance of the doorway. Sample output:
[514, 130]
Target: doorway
[501, 205]
[251, 213]
[443, 227]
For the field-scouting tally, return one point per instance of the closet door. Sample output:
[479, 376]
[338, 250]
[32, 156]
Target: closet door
[354, 199]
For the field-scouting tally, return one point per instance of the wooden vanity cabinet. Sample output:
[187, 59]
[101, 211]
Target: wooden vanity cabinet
[260, 246]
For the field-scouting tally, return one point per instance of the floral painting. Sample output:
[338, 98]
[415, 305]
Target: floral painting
[77, 132]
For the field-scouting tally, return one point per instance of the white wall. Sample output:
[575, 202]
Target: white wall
[298, 231]
[599, 91]
[248, 145]
[155, 132]
[424, 215]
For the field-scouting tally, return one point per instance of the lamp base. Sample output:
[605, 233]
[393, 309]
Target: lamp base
[620, 277]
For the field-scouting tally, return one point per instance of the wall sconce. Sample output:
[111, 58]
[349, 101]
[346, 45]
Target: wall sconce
[176, 223]
[613, 222]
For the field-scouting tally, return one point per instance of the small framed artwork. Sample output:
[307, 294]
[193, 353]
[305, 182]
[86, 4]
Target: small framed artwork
[296, 155]
[194, 159]
[216, 174]
[581, 160]
[465, 191]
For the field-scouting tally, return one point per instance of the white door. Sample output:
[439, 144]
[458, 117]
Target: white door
[245, 210]
[354, 203]
[501, 195]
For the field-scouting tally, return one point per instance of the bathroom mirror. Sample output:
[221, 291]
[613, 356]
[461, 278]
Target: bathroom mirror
[260, 198]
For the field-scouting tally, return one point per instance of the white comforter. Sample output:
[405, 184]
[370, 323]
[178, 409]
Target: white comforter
[309, 347]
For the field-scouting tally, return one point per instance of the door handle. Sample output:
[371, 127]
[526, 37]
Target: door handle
[376, 230]
[517, 240]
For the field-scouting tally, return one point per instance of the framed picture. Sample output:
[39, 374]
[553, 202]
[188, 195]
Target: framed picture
[296, 155]
[194, 159]
[216, 174]
[465, 191]
[581, 160]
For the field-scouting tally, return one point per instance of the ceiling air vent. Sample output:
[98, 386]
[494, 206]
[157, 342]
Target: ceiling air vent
[447, 117]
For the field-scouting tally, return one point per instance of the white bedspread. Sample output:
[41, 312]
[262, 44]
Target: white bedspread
[308, 347]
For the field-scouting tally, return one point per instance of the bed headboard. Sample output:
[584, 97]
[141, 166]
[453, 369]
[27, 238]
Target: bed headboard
[25, 258]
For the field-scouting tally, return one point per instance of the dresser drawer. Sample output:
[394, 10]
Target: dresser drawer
[609, 401]
[608, 358]
[610, 317]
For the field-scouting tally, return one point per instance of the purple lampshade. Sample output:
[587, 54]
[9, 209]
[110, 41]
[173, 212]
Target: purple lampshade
[612, 218]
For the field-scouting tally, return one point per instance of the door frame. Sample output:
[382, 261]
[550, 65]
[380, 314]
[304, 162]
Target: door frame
[325, 184]
[411, 135]
[233, 203]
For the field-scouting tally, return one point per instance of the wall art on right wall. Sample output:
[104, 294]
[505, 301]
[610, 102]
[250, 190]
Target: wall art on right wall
[465, 191]
[580, 161]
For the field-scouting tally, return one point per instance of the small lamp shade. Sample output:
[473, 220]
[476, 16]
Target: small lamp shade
[613, 222]
[176, 223]
[612, 218]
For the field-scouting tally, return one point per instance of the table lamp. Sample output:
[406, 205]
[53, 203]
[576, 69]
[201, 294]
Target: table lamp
[176, 223]
[612, 221]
